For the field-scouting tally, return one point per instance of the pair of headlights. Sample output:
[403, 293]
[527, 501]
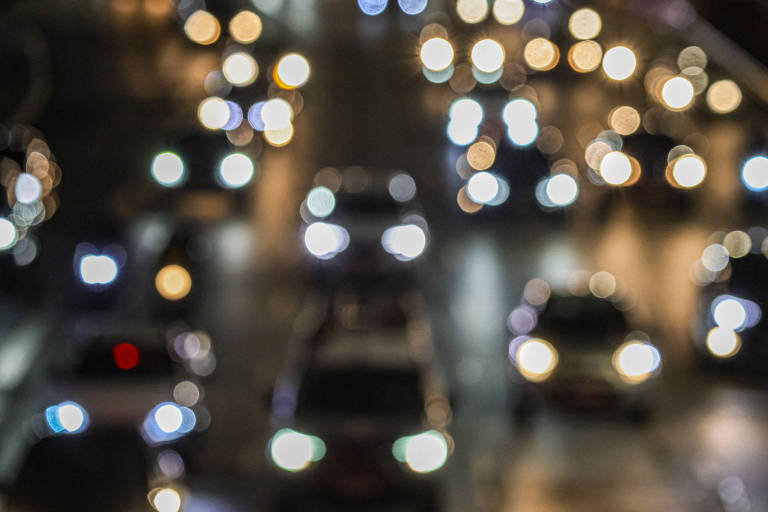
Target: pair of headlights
[404, 242]
[422, 453]
[635, 361]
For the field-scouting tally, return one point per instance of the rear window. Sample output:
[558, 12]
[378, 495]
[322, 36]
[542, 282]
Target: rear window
[364, 392]
[587, 320]
[118, 357]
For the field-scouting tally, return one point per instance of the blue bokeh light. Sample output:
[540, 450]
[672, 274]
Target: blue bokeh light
[372, 7]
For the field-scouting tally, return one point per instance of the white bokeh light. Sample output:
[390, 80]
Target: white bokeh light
[98, 269]
[426, 452]
[619, 63]
[321, 201]
[482, 187]
[168, 169]
[71, 416]
[407, 241]
[637, 360]
[723, 342]
[466, 111]
[276, 114]
[213, 113]
[754, 174]
[166, 500]
[240, 69]
[293, 70]
[689, 171]
[615, 168]
[436, 54]
[291, 450]
[8, 234]
[169, 418]
[562, 189]
[325, 240]
[487, 55]
[730, 314]
[236, 170]
[677, 93]
[27, 188]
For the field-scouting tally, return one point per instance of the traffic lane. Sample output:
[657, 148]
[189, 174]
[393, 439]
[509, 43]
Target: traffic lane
[565, 462]
[704, 450]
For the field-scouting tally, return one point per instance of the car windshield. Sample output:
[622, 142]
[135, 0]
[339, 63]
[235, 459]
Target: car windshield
[366, 204]
[361, 392]
[362, 311]
[585, 320]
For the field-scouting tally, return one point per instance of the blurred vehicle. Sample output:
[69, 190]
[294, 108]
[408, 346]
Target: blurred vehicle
[205, 179]
[368, 224]
[581, 354]
[107, 376]
[361, 409]
[729, 332]
[104, 469]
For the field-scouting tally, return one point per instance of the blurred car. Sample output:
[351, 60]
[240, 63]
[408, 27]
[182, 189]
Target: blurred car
[369, 223]
[205, 179]
[361, 409]
[125, 377]
[103, 469]
[729, 332]
[582, 354]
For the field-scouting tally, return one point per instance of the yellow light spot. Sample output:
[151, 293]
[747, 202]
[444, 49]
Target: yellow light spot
[202, 27]
[619, 63]
[602, 284]
[472, 11]
[585, 24]
[279, 137]
[508, 12]
[245, 27]
[723, 342]
[213, 113]
[624, 120]
[466, 204]
[737, 243]
[541, 54]
[481, 155]
[585, 56]
[693, 56]
[723, 96]
[173, 282]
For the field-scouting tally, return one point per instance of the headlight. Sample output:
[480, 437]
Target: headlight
[536, 359]
[293, 451]
[729, 313]
[423, 452]
[325, 240]
[168, 421]
[735, 313]
[66, 418]
[636, 361]
[165, 499]
[405, 242]
[723, 342]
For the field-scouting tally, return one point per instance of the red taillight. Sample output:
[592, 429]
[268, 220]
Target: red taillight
[126, 356]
